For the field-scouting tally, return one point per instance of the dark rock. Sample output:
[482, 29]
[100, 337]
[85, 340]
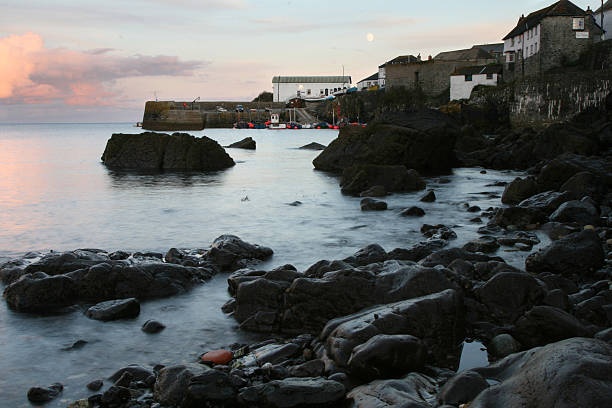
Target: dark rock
[485, 244]
[547, 202]
[444, 257]
[114, 309]
[572, 373]
[42, 395]
[503, 345]
[115, 396]
[95, 385]
[39, 292]
[474, 208]
[585, 184]
[275, 354]
[605, 335]
[368, 255]
[119, 255]
[421, 140]
[413, 212]
[231, 253]
[435, 319]
[369, 204]
[209, 387]
[418, 251]
[412, 391]
[375, 191]
[384, 356]
[125, 380]
[137, 372]
[520, 217]
[172, 382]
[160, 151]
[357, 179]
[556, 230]
[246, 143]
[429, 197]
[295, 204]
[519, 190]
[578, 253]
[79, 344]
[557, 298]
[312, 368]
[559, 170]
[462, 388]
[313, 146]
[576, 211]
[508, 294]
[546, 324]
[57, 263]
[152, 326]
[438, 232]
[293, 392]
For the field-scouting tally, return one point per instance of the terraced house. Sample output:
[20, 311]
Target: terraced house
[552, 37]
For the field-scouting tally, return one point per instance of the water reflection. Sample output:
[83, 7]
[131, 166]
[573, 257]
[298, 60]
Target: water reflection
[124, 179]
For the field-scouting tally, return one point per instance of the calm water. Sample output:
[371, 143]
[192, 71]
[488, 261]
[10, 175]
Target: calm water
[56, 194]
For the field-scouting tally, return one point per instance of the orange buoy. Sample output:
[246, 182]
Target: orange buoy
[221, 357]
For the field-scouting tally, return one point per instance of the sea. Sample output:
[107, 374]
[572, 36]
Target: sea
[56, 194]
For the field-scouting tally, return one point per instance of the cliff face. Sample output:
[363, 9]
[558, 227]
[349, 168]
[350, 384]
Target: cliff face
[160, 151]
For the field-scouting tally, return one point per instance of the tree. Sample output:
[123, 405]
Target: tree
[264, 97]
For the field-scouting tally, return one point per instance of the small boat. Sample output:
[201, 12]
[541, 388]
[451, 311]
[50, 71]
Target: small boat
[275, 122]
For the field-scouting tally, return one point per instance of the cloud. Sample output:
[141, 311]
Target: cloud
[33, 74]
[208, 4]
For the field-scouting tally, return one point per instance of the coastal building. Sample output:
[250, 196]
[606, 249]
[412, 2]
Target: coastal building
[382, 72]
[288, 87]
[369, 82]
[432, 76]
[548, 38]
[605, 12]
[464, 80]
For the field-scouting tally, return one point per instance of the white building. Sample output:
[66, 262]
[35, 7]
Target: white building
[463, 80]
[606, 10]
[368, 82]
[289, 87]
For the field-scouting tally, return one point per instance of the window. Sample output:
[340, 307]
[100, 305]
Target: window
[536, 30]
[511, 57]
[489, 76]
[531, 50]
[308, 92]
[512, 42]
[535, 47]
[578, 23]
[326, 91]
[468, 78]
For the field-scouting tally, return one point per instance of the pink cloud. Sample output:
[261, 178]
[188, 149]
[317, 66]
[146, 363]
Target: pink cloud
[34, 74]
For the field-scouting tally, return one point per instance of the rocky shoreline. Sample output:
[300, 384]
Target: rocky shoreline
[378, 328]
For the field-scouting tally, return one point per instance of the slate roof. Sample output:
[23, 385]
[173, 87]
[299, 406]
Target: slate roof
[462, 55]
[479, 69]
[607, 6]
[560, 8]
[373, 77]
[311, 79]
[401, 59]
[498, 47]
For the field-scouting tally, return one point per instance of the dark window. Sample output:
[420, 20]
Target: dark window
[489, 76]
[326, 91]
[468, 78]
[416, 77]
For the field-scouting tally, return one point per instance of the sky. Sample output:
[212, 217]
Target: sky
[100, 61]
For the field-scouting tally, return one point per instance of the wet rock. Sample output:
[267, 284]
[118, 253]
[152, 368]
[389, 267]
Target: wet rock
[546, 324]
[125, 380]
[39, 292]
[119, 255]
[520, 217]
[95, 385]
[485, 244]
[413, 212]
[160, 151]
[384, 356]
[435, 319]
[368, 255]
[294, 392]
[508, 294]
[375, 191]
[573, 373]
[578, 253]
[231, 253]
[474, 209]
[137, 372]
[418, 251]
[438, 232]
[547, 202]
[313, 146]
[295, 204]
[44, 394]
[312, 368]
[114, 309]
[559, 170]
[79, 344]
[411, 391]
[503, 345]
[429, 197]
[275, 354]
[605, 335]
[172, 382]
[115, 396]
[585, 184]
[445, 257]
[211, 386]
[556, 230]
[152, 326]
[369, 204]
[557, 298]
[246, 143]
[462, 388]
[519, 189]
[392, 178]
[580, 212]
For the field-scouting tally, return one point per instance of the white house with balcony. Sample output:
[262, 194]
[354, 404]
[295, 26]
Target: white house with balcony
[289, 87]
[464, 80]
[368, 82]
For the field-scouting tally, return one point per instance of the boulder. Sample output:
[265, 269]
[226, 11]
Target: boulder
[160, 151]
[418, 251]
[580, 212]
[231, 253]
[246, 143]
[152, 326]
[39, 292]
[438, 232]
[578, 253]
[519, 189]
[208, 388]
[572, 373]
[312, 368]
[462, 388]
[412, 391]
[546, 324]
[95, 385]
[369, 204]
[583, 184]
[484, 244]
[547, 202]
[559, 170]
[429, 197]
[359, 178]
[503, 345]
[313, 146]
[386, 356]
[368, 255]
[445, 257]
[114, 310]
[413, 212]
[519, 217]
[436, 319]
[172, 382]
[137, 373]
[375, 191]
[40, 395]
[421, 140]
[293, 392]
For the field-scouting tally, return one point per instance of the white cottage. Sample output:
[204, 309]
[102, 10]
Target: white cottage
[289, 87]
[606, 13]
[464, 80]
[368, 82]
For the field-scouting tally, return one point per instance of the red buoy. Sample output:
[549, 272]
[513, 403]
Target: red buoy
[220, 357]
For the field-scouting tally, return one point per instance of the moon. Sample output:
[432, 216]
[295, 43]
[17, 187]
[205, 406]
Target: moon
[370, 37]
